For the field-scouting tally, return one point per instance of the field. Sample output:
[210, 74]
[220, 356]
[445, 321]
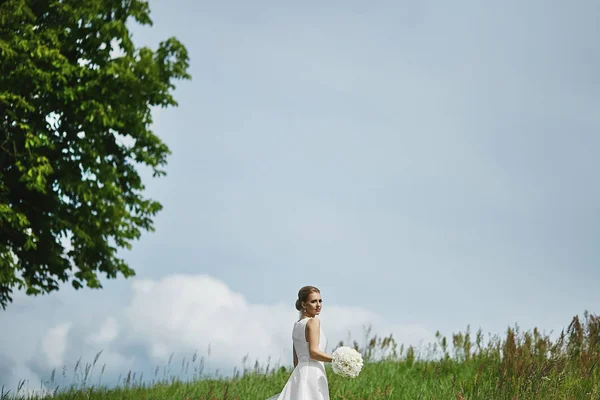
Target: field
[518, 365]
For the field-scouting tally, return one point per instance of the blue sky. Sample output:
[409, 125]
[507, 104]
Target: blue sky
[427, 165]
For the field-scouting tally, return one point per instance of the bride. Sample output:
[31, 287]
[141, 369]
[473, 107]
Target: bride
[308, 380]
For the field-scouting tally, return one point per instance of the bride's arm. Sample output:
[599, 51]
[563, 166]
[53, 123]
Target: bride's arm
[295, 356]
[313, 332]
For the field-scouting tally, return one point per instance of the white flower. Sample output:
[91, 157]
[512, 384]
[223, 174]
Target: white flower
[346, 362]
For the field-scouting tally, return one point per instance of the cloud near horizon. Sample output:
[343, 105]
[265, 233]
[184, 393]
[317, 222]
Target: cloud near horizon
[179, 315]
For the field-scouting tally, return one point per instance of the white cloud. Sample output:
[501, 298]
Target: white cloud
[54, 344]
[106, 334]
[181, 314]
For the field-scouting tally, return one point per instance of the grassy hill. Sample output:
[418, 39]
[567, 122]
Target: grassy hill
[519, 365]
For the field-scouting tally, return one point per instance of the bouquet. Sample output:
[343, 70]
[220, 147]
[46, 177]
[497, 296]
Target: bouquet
[346, 362]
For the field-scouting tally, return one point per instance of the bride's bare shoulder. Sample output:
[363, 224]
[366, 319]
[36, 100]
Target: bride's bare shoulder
[314, 321]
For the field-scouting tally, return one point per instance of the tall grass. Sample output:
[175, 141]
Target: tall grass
[527, 365]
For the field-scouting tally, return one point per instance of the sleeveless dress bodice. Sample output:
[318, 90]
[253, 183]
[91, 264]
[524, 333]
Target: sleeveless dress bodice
[308, 380]
[300, 343]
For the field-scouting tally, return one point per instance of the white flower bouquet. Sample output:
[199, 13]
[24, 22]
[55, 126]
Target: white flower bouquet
[346, 362]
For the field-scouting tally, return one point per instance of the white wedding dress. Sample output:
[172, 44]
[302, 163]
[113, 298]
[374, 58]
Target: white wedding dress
[308, 380]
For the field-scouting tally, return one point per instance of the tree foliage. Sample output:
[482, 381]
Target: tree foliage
[75, 116]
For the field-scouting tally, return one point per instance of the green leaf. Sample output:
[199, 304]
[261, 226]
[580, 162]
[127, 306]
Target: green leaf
[72, 179]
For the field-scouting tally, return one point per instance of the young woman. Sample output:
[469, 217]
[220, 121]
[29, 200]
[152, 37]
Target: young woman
[308, 380]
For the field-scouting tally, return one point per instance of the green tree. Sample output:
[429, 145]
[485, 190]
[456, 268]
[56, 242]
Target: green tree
[75, 116]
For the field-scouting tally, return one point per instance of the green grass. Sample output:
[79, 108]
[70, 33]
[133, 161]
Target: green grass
[518, 366]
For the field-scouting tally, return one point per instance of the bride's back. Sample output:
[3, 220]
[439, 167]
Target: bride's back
[300, 342]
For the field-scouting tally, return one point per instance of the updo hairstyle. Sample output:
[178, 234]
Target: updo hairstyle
[303, 295]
